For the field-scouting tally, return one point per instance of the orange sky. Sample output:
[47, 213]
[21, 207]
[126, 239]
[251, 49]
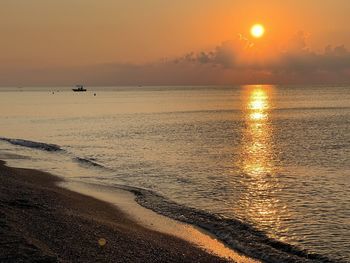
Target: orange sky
[66, 33]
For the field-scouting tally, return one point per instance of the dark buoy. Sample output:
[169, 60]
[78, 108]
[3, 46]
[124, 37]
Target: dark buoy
[94, 94]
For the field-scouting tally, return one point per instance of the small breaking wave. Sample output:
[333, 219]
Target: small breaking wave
[88, 162]
[34, 145]
[51, 148]
[236, 234]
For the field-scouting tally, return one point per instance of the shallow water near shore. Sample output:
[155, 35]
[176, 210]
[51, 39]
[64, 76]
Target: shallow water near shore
[125, 201]
[272, 157]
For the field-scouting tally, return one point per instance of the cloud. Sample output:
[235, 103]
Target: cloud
[293, 63]
[295, 56]
[223, 55]
[238, 61]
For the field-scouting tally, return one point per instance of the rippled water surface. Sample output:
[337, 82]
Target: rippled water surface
[276, 157]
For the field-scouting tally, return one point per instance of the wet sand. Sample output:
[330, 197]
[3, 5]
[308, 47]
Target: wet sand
[42, 222]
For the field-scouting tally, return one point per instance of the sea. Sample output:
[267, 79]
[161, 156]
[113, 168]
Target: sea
[266, 169]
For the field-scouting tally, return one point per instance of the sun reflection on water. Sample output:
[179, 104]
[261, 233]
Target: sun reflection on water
[257, 137]
[258, 164]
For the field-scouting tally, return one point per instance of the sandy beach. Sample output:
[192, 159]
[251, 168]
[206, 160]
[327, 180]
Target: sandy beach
[41, 222]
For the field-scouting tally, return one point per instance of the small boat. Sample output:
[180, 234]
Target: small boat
[79, 88]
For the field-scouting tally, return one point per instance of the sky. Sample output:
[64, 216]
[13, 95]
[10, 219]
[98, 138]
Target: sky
[183, 42]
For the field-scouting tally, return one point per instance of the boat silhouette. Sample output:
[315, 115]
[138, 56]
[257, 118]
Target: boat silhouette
[79, 88]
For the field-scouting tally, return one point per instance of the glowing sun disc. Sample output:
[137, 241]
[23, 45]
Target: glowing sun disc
[257, 30]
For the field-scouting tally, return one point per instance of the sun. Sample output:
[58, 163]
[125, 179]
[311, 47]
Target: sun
[257, 30]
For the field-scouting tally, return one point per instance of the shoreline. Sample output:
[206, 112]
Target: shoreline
[125, 201]
[41, 221]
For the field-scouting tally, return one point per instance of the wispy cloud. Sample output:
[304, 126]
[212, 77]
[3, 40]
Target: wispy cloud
[237, 61]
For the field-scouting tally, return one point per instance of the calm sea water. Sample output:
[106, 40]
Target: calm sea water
[275, 157]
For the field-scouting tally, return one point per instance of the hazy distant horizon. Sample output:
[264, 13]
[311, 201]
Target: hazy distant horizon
[69, 86]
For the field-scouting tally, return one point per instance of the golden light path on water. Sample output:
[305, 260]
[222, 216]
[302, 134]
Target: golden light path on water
[258, 164]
